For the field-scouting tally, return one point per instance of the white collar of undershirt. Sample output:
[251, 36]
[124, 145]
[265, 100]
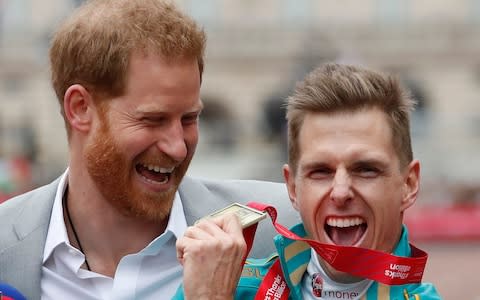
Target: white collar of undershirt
[57, 232]
[330, 287]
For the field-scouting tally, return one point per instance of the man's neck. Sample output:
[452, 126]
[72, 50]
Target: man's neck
[106, 235]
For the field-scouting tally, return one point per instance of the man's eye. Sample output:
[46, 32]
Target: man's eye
[190, 119]
[320, 173]
[367, 171]
[153, 120]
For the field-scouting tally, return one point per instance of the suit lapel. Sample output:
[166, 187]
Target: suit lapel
[197, 200]
[189, 191]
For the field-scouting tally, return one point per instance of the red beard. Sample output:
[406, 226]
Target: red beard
[113, 175]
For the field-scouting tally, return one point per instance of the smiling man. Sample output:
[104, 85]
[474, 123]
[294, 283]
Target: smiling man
[127, 75]
[351, 176]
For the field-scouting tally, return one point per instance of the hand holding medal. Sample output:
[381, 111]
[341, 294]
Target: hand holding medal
[213, 250]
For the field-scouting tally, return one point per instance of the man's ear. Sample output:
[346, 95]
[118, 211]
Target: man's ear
[289, 177]
[411, 185]
[78, 107]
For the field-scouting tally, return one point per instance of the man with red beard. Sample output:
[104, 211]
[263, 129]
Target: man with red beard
[351, 176]
[127, 75]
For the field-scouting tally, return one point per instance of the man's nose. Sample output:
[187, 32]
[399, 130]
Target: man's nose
[341, 191]
[172, 142]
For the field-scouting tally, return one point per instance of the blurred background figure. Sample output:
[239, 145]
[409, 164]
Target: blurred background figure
[17, 155]
[256, 51]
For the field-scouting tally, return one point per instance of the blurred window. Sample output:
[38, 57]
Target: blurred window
[217, 124]
[13, 84]
[475, 11]
[420, 121]
[297, 12]
[204, 11]
[14, 15]
[392, 11]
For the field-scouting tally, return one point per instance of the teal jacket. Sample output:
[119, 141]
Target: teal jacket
[294, 257]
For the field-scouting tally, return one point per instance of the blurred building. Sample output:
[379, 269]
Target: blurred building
[256, 51]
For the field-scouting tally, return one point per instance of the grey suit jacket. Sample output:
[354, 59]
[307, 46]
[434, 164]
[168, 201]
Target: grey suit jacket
[24, 222]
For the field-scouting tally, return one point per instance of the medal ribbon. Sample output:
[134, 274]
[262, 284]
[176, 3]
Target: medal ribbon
[274, 286]
[366, 263]
[248, 235]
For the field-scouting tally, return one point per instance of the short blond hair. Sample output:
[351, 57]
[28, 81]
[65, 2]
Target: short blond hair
[94, 45]
[334, 88]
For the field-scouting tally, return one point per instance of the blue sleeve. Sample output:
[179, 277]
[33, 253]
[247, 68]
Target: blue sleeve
[179, 294]
[424, 291]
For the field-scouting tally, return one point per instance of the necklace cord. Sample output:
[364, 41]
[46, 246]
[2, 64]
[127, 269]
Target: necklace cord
[65, 200]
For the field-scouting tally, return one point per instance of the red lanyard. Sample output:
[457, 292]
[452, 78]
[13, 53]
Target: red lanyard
[248, 235]
[274, 286]
[366, 263]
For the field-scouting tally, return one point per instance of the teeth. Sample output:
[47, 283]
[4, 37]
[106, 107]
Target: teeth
[344, 222]
[158, 169]
[157, 182]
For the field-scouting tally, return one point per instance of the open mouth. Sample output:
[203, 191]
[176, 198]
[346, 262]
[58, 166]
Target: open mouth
[345, 231]
[154, 174]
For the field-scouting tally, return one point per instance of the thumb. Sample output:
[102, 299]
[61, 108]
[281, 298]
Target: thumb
[230, 223]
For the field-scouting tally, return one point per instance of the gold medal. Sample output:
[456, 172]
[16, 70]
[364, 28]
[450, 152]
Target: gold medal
[247, 215]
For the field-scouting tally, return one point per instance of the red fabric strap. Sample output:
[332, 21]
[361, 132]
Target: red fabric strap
[274, 286]
[248, 235]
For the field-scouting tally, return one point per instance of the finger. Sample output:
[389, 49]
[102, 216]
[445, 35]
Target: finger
[187, 248]
[233, 232]
[190, 247]
[214, 227]
[221, 235]
[231, 224]
[180, 246]
[199, 232]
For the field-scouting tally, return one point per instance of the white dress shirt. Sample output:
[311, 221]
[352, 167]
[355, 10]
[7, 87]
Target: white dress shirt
[152, 273]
